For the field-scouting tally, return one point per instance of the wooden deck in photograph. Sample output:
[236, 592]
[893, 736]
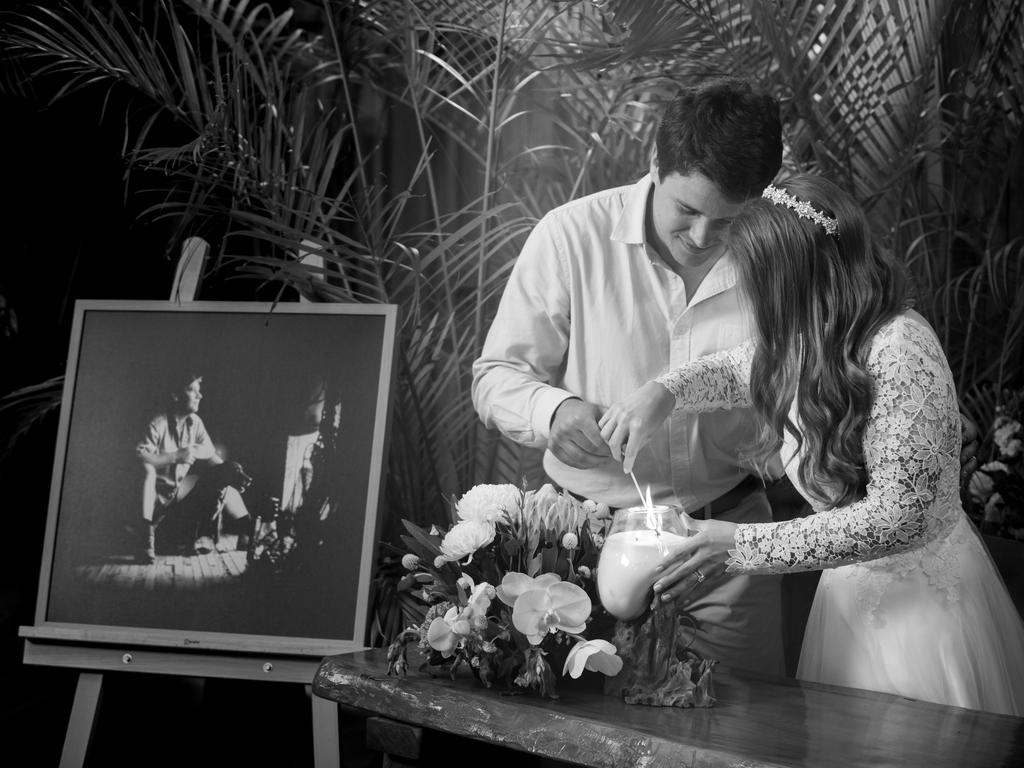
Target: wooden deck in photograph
[168, 572]
[757, 722]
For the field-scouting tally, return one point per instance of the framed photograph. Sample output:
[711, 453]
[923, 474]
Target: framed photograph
[217, 476]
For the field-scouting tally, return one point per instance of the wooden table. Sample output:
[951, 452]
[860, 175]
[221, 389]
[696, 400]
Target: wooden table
[757, 722]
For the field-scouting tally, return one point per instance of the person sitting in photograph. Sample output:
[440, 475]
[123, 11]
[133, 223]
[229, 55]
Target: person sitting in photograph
[188, 489]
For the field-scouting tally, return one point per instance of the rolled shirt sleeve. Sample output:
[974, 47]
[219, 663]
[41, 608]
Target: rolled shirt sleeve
[525, 348]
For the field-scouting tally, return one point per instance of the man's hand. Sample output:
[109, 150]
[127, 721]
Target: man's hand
[970, 441]
[186, 455]
[575, 439]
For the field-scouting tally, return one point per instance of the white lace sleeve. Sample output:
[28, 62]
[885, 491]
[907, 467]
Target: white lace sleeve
[911, 450]
[713, 382]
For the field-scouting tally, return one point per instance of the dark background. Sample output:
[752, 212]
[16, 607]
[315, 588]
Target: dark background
[69, 232]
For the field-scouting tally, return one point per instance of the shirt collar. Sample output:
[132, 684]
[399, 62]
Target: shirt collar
[630, 226]
[629, 229]
[722, 277]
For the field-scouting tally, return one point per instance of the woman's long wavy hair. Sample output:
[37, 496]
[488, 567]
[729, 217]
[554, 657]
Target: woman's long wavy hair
[817, 300]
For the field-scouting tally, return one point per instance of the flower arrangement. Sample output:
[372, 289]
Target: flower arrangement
[511, 590]
[995, 491]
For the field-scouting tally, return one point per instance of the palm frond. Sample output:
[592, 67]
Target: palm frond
[285, 143]
[25, 407]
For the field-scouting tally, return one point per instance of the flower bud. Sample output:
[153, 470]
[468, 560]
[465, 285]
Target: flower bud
[410, 562]
[570, 541]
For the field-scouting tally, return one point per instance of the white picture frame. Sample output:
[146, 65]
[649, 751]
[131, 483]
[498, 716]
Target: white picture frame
[259, 365]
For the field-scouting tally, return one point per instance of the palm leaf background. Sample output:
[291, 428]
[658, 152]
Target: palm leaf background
[412, 145]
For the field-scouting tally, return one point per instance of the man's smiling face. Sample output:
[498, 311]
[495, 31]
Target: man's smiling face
[687, 217]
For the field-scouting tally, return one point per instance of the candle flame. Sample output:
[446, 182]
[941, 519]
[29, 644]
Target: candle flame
[645, 499]
[653, 522]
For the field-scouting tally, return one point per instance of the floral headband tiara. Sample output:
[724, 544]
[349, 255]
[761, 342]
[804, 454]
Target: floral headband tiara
[803, 209]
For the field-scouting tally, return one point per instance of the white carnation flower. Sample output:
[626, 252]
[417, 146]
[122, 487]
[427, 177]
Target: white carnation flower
[467, 537]
[489, 503]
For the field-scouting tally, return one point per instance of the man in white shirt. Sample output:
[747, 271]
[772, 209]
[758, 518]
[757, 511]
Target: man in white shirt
[621, 286]
[185, 502]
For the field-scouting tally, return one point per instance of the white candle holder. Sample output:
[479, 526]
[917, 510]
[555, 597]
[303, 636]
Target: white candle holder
[640, 539]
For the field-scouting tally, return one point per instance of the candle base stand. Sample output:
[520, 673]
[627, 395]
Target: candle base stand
[659, 669]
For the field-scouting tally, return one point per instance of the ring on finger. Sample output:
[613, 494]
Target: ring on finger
[699, 574]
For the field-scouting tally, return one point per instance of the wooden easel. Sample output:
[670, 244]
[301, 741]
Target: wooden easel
[61, 648]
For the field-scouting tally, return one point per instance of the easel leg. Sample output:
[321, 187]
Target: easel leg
[82, 720]
[326, 745]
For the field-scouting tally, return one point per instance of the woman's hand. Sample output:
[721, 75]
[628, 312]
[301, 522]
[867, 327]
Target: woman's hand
[634, 420]
[702, 556]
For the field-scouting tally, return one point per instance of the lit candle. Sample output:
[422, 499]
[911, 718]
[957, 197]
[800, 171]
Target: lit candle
[626, 569]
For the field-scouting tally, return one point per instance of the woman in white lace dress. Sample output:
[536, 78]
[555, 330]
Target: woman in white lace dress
[852, 388]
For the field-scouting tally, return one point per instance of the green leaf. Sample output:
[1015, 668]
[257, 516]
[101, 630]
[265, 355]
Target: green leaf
[430, 543]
